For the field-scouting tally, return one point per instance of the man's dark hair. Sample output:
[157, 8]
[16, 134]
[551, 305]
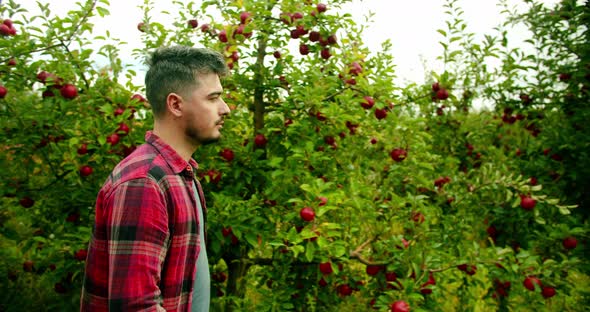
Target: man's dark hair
[175, 69]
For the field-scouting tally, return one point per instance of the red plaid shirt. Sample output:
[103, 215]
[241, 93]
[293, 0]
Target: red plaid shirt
[143, 252]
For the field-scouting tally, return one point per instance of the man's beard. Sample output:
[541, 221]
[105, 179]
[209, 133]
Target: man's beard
[194, 135]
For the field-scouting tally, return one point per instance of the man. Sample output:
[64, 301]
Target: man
[147, 251]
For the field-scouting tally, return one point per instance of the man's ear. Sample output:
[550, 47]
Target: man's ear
[174, 104]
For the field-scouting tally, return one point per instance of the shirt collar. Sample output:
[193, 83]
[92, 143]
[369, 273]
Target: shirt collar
[176, 162]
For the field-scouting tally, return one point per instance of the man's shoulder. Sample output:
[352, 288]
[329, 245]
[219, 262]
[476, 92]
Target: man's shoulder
[143, 163]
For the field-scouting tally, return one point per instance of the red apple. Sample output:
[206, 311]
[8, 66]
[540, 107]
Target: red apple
[441, 181]
[123, 129]
[326, 268]
[320, 116]
[325, 53]
[214, 176]
[28, 266]
[113, 139]
[260, 140]
[323, 201]
[442, 94]
[380, 113]
[4, 30]
[244, 17]
[8, 22]
[314, 36]
[235, 56]
[355, 69]
[527, 203]
[400, 306]
[492, 231]
[27, 202]
[431, 281]
[307, 214]
[193, 23]
[373, 270]
[332, 39]
[548, 292]
[530, 281]
[59, 288]
[399, 154]
[42, 76]
[304, 49]
[222, 36]
[570, 243]
[418, 217]
[329, 140]
[226, 231]
[239, 30]
[321, 7]
[277, 54]
[295, 34]
[83, 149]
[368, 102]
[3, 91]
[85, 170]
[390, 276]
[138, 97]
[351, 81]
[141, 26]
[296, 16]
[11, 62]
[205, 27]
[344, 290]
[119, 111]
[219, 277]
[69, 91]
[435, 87]
[565, 76]
[227, 154]
[81, 254]
[525, 98]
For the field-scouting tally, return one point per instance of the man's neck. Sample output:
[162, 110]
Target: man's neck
[176, 139]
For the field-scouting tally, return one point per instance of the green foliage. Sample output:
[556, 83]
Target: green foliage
[416, 182]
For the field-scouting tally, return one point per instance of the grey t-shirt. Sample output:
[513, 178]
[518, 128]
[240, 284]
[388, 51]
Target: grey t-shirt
[202, 288]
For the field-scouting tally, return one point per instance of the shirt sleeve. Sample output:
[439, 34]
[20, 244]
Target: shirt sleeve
[138, 235]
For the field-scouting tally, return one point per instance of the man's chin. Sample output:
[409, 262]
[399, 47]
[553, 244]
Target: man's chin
[210, 140]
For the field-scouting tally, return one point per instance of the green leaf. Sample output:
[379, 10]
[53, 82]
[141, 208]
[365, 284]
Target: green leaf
[297, 249]
[322, 242]
[275, 162]
[309, 252]
[102, 11]
[563, 210]
[252, 239]
[338, 250]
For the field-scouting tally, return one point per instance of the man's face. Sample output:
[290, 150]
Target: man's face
[204, 111]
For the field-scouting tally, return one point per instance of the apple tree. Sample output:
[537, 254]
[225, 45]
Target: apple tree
[334, 187]
[65, 123]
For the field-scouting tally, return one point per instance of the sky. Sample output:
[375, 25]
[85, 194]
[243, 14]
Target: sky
[410, 25]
